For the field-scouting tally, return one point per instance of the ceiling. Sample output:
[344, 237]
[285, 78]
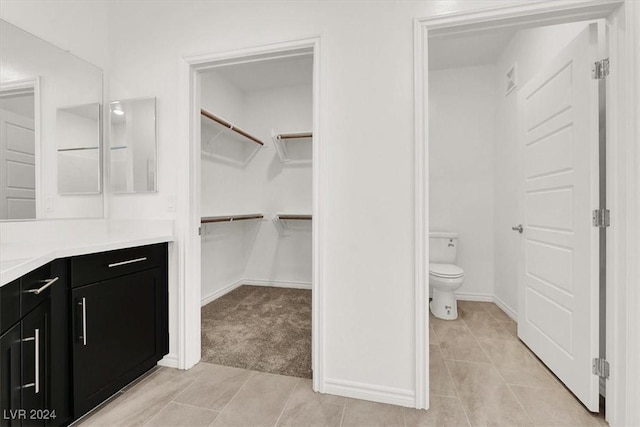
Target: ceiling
[270, 73]
[468, 50]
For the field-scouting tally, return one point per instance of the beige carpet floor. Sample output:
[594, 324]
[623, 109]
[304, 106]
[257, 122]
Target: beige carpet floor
[260, 328]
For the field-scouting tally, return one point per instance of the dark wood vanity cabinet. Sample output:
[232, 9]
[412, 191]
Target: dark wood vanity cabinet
[119, 320]
[34, 364]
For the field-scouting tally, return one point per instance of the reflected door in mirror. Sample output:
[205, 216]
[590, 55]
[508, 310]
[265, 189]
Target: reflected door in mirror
[17, 154]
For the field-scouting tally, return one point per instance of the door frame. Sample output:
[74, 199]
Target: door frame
[32, 84]
[187, 226]
[623, 189]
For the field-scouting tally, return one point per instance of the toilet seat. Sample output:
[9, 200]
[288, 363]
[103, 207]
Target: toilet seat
[445, 271]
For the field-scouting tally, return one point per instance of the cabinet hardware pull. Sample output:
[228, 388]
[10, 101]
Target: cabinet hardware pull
[47, 283]
[36, 339]
[84, 321]
[131, 261]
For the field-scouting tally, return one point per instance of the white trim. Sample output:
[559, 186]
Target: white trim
[188, 219]
[220, 292]
[170, 361]
[504, 307]
[374, 393]
[473, 296]
[253, 282]
[623, 273]
[277, 283]
[421, 197]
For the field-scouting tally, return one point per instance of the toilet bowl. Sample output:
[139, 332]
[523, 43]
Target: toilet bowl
[444, 279]
[444, 276]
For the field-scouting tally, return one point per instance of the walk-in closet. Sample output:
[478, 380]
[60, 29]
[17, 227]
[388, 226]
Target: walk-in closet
[256, 222]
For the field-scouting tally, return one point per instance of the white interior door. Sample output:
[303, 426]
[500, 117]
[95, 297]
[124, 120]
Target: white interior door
[17, 167]
[558, 282]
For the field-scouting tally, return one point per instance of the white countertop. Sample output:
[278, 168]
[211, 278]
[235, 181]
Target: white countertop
[20, 257]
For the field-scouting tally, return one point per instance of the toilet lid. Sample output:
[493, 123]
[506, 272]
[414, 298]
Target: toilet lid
[445, 270]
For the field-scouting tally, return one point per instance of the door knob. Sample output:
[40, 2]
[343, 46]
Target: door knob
[519, 228]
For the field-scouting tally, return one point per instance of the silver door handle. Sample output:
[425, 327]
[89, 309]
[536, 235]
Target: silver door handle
[519, 228]
[36, 339]
[84, 321]
[47, 283]
[131, 261]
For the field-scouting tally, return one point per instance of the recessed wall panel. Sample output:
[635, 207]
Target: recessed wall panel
[552, 264]
[551, 209]
[551, 320]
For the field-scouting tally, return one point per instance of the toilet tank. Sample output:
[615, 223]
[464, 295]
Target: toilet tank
[443, 247]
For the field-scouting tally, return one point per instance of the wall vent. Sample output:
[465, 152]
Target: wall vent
[511, 79]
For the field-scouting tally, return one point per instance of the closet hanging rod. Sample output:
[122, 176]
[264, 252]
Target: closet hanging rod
[299, 135]
[294, 217]
[229, 218]
[230, 126]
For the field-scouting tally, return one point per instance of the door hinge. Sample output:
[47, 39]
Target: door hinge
[601, 368]
[600, 69]
[199, 231]
[601, 218]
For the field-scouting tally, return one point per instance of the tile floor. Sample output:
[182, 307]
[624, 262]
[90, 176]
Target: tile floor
[480, 375]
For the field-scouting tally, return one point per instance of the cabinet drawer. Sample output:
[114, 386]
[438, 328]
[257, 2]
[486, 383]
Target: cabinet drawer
[9, 305]
[93, 268]
[36, 287]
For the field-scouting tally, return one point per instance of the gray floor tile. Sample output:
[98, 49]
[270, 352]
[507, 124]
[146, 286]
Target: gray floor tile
[362, 413]
[516, 364]
[440, 381]
[485, 396]
[214, 387]
[177, 415]
[557, 407]
[443, 411]
[457, 342]
[259, 402]
[307, 408]
[141, 403]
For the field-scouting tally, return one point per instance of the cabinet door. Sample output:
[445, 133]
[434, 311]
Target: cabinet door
[116, 324]
[10, 377]
[35, 366]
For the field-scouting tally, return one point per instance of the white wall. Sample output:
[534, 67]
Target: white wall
[531, 49]
[461, 166]
[79, 27]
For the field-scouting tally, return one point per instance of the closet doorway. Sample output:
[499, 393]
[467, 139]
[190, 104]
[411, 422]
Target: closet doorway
[255, 203]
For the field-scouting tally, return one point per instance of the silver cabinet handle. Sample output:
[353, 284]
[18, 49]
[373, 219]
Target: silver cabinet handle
[519, 228]
[131, 261]
[36, 339]
[47, 283]
[84, 321]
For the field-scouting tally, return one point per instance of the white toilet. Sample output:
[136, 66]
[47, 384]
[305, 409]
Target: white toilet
[444, 276]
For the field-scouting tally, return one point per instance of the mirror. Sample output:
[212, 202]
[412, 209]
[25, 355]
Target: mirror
[50, 148]
[78, 136]
[133, 149]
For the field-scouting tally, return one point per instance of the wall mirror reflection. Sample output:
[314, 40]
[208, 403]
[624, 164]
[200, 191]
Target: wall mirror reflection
[17, 151]
[79, 154]
[49, 101]
[133, 151]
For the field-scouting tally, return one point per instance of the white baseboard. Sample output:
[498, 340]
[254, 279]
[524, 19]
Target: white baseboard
[254, 282]
[374, 393]
[469, 296]
[277, 283]
[170, 361]
[510, 311]
[217, 294]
